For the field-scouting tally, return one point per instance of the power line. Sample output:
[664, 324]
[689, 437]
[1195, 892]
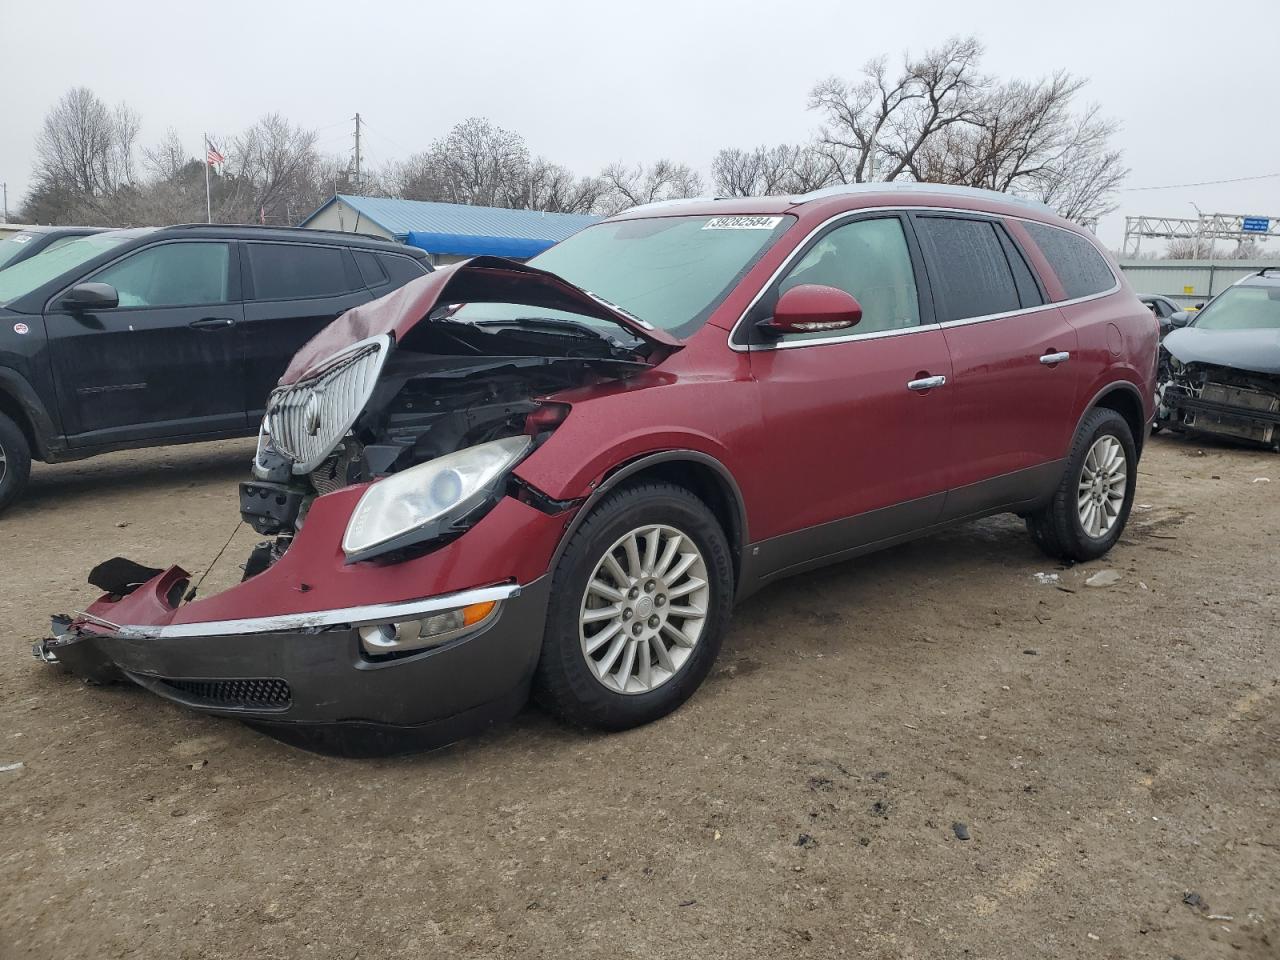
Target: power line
[1203, 183]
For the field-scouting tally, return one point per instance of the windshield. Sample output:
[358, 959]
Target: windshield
[22, 278]
[671, 272]
[12, 244]
[1238, 308]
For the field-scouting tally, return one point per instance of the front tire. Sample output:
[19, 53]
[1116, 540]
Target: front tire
[640, 600]
[15, 461]
[1090, 508]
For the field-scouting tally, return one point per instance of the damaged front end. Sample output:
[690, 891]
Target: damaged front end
[1218, 400]
[398, 596]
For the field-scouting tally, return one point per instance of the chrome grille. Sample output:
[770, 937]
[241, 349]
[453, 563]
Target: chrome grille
[307, 419]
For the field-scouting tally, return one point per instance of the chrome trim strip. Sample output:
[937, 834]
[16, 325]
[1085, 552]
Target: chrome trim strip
[345, 616]
[902, 207]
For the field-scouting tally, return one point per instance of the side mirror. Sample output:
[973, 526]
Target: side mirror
[1179, 319]
[91, 296]
[809, 307]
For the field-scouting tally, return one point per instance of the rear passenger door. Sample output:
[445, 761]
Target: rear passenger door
[294, 289]
[1013, 388]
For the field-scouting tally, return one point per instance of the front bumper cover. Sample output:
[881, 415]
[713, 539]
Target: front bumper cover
[311, 685]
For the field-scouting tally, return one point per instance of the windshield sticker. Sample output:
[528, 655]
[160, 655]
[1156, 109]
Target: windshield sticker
[741, 223]
[21, 238]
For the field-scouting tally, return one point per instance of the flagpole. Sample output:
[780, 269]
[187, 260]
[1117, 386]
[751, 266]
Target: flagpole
[208, 197]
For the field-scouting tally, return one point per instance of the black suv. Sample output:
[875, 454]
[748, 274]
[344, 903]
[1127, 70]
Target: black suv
[152, 336]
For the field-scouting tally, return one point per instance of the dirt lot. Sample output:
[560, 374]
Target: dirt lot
[1111, 751]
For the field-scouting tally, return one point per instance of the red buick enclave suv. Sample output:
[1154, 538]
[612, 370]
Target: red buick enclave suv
[560, 476]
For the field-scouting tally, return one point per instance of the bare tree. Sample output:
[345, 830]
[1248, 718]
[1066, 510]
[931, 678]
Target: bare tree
[167, 158]
[938, 119]
[876, 126]
[548, 186]
[1028, 141]
[769, 171]
[273, 167]
[627, 186]
[84, 154]
[477, 162]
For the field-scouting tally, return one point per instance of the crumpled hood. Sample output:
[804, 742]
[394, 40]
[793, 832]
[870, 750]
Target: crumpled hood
[1255, 351]
[479, 280]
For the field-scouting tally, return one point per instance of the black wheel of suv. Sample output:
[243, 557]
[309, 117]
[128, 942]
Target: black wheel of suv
[1091, 506]
[15, 461]
[639, 604]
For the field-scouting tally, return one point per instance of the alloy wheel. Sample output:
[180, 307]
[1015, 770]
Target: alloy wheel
[1104, 477]
[644, 609]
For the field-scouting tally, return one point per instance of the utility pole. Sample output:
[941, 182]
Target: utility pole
[357, 154]
[6, 202]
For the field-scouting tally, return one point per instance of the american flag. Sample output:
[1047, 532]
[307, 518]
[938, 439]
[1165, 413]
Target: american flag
[213, 158]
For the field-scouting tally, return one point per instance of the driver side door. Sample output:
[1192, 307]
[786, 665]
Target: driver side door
[856, 420]
[165, 362]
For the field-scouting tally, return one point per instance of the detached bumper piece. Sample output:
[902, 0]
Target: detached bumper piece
[311, 680]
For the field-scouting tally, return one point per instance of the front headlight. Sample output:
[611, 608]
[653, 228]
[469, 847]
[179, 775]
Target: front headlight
[422, 502]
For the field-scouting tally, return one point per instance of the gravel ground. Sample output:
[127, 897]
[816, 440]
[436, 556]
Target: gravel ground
[1112, 753]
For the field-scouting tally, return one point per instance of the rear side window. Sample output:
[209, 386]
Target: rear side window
[967, 264]
[370, 272]
[401, 269]
[1081, 269]
[295, 271]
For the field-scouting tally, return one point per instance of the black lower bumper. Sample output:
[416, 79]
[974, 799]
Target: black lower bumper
[316, 689]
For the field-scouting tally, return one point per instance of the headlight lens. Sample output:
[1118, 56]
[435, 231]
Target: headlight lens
[403, 507]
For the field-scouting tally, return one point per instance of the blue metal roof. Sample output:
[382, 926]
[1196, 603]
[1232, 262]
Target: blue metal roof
[462, 230]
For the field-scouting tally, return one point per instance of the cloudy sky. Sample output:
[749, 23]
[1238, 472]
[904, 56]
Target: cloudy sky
[588, 83]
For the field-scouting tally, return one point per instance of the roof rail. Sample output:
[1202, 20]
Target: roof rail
[270, 226]
[912, 186]
[1263, 271]
[658, 204]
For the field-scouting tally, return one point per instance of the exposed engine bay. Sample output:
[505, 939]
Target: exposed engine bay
[1222, 401]
[449, 386]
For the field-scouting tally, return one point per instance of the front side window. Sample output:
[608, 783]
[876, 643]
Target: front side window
[295, 271]
[171, 275]
[869, 260]
[671, 272]
[1239, 308]
[968, 266]
[1081, 269]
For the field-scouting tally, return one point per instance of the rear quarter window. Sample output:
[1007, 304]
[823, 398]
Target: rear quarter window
[1081, 269]
[370, 271]
[401, 269]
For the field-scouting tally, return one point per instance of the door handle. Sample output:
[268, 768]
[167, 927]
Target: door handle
[1050, 359]
[926, 383]
[211, 323]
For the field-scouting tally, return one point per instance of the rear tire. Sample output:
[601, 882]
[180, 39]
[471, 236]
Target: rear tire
[1090, 508]
[15, 461]
[617, 652]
